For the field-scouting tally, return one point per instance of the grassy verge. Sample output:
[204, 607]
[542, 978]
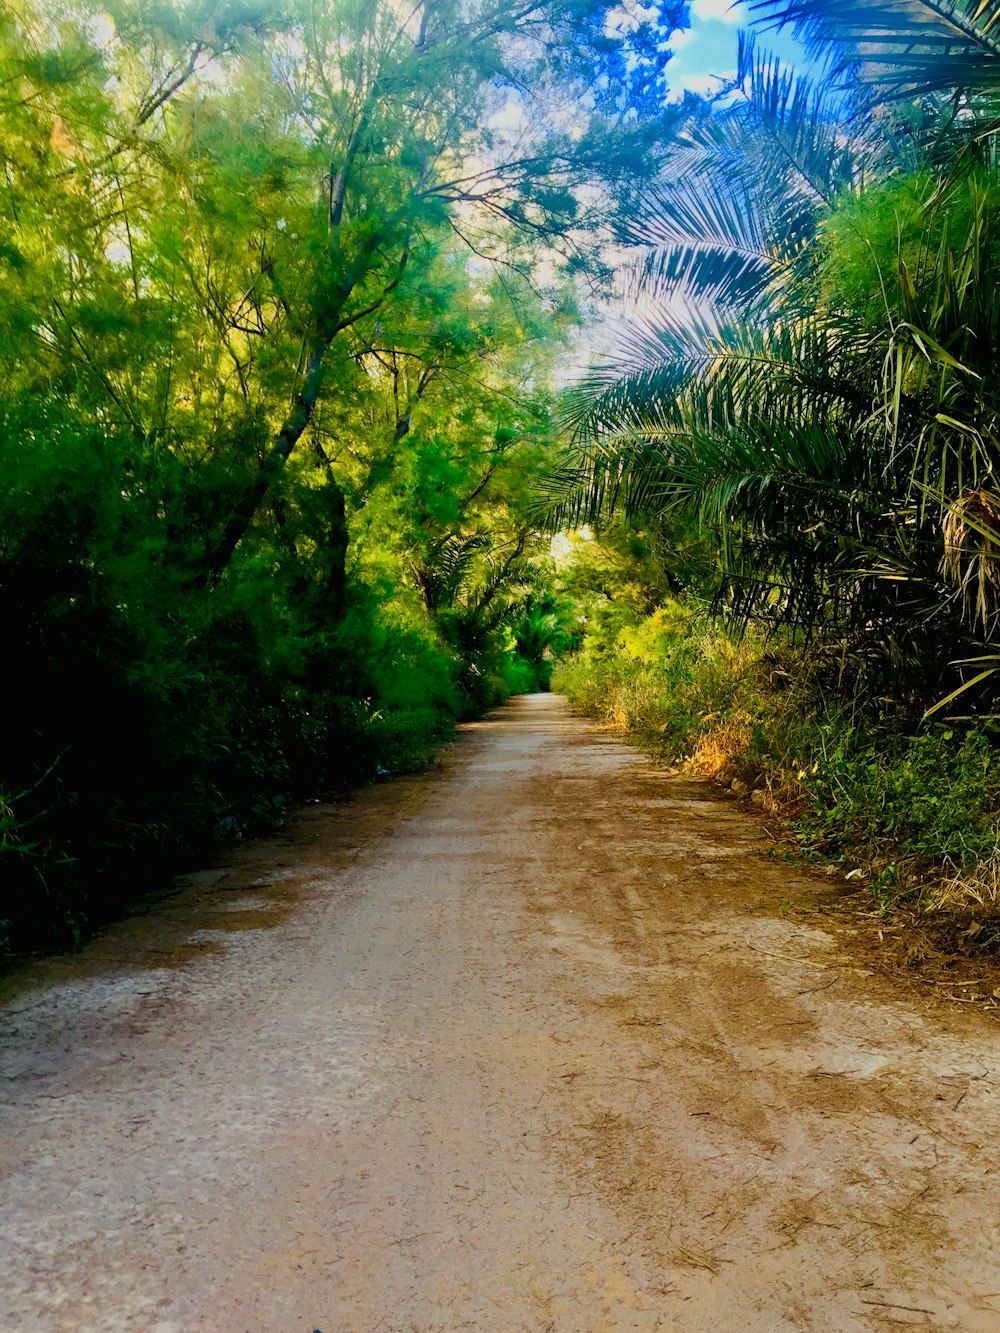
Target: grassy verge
[912, 812]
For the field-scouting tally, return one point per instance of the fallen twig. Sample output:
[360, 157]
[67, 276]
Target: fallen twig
[791, 958]
[813, 990]
[894, 1305]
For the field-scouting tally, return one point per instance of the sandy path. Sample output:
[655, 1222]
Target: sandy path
[530, 1042]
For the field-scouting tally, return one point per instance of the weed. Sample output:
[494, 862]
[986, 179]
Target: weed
[914, 809]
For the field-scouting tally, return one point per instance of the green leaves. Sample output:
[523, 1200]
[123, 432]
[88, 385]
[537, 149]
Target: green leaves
[281, 291]
[811, 379]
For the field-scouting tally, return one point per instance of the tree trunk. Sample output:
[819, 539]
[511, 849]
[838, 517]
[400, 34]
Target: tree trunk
[337, 538]
[327, 325]
[218, 556]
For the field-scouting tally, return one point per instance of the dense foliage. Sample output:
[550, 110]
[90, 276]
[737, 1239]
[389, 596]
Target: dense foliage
[811, 381]
[280, 290]
[912, 816]
[284, 291]
[803, 413]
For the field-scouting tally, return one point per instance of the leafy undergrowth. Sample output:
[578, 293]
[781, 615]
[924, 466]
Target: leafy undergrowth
[174, 743]
[157, 760]
[909, 812]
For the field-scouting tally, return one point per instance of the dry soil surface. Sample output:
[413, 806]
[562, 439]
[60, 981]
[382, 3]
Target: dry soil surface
[530, 1042]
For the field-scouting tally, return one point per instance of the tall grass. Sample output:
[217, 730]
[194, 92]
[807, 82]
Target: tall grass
[913, 809]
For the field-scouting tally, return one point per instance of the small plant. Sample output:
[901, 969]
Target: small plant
[915, 811]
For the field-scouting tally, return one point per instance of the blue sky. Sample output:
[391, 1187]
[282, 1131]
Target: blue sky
[705, 53]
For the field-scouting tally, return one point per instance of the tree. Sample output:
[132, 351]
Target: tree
[899, 48]
[829, 421]
[274, 282]
[388, 114]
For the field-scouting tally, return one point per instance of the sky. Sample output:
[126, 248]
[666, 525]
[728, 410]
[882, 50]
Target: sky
[705, 53]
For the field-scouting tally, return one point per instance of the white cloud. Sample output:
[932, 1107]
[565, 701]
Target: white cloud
[102, 29]
[618, 21]
[723, 10]
[627, 16]
[510, 116]
[682, 37]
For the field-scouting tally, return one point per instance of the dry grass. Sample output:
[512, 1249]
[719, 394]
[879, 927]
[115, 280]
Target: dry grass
[718, 749]
[976, 890]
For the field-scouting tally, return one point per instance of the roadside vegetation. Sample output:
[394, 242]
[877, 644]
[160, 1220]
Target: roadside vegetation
[910, 812]
[281, 288]
[802, 424]
[285, 293]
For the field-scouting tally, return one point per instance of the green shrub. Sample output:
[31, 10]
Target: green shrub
[911, 805]
[166, 713]
[933, 797]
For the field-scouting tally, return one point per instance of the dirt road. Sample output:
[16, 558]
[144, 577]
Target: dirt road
[536, 1041]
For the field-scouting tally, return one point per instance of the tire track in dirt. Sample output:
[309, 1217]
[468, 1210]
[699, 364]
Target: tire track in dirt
[525, 1043]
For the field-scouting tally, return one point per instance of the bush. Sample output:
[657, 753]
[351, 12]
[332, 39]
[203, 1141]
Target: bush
[672, 678]
[931, 799]
[915, 807]
[523, 677]
[164, 712]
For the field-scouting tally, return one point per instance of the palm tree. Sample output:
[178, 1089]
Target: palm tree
[841, 450]
[900, 48]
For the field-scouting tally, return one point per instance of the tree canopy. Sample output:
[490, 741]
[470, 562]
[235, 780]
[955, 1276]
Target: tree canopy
[810, 382]
[281, 287]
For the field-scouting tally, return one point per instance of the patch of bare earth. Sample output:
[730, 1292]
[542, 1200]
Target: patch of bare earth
[530, 1042]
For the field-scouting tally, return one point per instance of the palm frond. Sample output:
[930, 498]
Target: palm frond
[820, 139]
[738, 214]
[447, 565]
[691, 365]
[831, 443]
[902, 48]
[641, 383]
[703, 243]
[619, 473]
[762, 468]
